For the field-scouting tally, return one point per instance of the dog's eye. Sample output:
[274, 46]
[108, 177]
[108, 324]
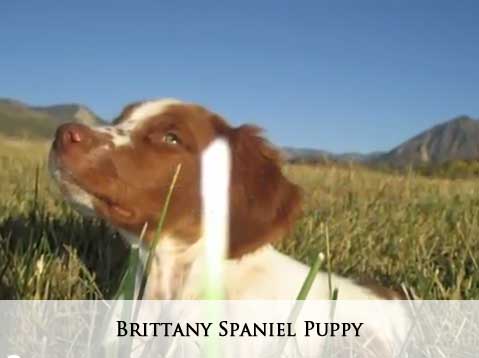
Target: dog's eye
[171, 138]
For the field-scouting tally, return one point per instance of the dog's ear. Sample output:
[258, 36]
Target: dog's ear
[264, 204]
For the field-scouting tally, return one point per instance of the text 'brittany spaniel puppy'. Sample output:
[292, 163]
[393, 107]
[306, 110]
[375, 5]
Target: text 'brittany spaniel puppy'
[122, 174]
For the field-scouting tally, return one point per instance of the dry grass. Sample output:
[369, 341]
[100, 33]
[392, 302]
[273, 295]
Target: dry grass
[398, 230]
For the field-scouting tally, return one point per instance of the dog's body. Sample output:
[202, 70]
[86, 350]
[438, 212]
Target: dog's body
[122, 174]
[262, 274]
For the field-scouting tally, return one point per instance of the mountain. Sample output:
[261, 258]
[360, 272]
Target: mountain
[307, 155]
[18, 119]
[456, 139]
[70, 112]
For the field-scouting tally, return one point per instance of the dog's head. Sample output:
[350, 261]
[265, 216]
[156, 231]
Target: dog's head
[122, 173]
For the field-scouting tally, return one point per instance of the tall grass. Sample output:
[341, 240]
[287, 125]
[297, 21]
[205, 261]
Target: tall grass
[397, 230]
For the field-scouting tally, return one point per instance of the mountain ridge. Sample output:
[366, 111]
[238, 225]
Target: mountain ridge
[19, 119]
[65, 112]
[451, 140]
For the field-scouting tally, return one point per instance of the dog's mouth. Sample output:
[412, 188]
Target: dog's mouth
[112, 206]
[83, 198]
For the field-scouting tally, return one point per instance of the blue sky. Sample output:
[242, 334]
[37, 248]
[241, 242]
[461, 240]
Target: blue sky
[337, 75]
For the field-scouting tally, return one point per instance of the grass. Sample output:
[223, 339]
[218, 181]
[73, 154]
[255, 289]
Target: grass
[420, 233]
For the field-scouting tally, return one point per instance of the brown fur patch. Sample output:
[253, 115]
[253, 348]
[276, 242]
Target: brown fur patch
[264, 204]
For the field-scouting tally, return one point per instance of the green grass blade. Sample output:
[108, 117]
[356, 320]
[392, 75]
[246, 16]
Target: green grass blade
[126, 288]
[308, 282]
[333, 293]
[159, 228]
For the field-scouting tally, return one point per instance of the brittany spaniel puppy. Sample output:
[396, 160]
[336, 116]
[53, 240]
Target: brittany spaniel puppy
[122, 174]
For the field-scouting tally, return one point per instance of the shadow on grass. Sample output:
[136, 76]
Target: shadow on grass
[65, 256]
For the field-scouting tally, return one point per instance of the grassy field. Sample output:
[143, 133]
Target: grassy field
[410, 231]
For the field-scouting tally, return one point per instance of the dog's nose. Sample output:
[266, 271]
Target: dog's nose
[70, 134]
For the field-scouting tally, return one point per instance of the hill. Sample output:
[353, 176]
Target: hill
[307, 155]
[18, 119]
[448, 142]
[456, 139]
[68, 112]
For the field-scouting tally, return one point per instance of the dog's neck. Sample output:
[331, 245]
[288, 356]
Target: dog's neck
[175, 271]
[178, 270]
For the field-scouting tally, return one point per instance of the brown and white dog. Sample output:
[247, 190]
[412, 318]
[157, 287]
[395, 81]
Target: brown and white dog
[122, 174]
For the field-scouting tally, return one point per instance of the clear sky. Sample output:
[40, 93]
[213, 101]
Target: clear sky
[336, 75]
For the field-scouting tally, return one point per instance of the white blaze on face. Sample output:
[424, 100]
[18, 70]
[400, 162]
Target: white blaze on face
[121, 133]
[149, 109]
[215, 184]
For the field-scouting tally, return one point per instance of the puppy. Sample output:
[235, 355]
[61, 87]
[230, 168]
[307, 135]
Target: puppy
[122, 173]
